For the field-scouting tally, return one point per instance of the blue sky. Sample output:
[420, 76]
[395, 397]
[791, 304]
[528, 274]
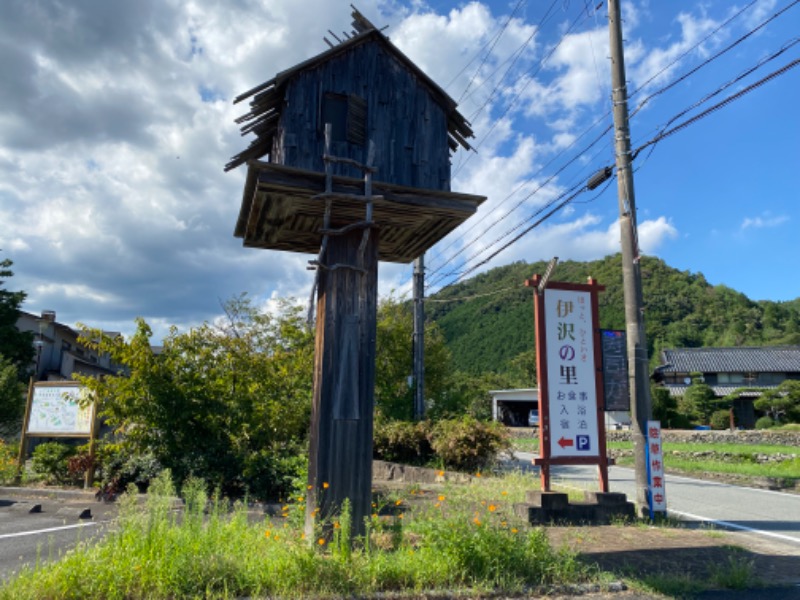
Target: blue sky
[116, 120]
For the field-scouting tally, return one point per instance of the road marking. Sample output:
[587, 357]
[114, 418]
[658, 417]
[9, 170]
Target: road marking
[48, 530]
[786, 538]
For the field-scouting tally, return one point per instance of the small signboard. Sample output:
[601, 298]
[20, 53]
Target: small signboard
[571, 374]
[60, 408]
[657, 495]
[615, 371]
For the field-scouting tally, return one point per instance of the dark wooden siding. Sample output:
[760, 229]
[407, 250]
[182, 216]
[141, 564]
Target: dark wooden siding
[408, 128]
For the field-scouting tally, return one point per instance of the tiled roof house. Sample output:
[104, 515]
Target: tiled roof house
[726, 370]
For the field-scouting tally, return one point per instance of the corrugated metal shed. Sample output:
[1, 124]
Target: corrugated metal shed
[766, 359]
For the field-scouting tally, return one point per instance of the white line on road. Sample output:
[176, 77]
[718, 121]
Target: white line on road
[786, 538]
[48, 530]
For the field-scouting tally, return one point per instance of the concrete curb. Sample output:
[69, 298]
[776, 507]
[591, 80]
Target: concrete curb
[48, 493]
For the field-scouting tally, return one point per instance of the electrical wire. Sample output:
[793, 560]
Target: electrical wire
[668, 132]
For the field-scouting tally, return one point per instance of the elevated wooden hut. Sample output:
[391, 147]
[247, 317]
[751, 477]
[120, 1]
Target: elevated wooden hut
[358, 141]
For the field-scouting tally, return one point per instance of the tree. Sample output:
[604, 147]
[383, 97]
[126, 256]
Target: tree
[393, 364]
[16, 346]
[700, 399]
[782, 404]
[228, 402]
[12, 397]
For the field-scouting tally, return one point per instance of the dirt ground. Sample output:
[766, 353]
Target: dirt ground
[639, 550]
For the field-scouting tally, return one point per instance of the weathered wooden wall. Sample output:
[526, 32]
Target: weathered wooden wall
[408, 127]
[344, 381]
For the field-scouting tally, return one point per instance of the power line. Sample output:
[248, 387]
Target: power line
[712, 58]
[491, 47]
[716, 107]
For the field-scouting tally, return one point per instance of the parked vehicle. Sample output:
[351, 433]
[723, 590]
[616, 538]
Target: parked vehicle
[533, 418]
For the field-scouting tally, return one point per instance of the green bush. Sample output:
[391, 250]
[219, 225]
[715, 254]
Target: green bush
[273, 473]
[8, 462]
[720, 419]
[765, 423]
[403, 441]
[120, 467]
[51, 461]
[468, 444]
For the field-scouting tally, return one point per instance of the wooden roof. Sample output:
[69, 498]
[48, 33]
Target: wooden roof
[281, 210]
[263, 116]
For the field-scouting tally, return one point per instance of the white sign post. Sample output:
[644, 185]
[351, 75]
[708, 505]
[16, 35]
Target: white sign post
[656, 492]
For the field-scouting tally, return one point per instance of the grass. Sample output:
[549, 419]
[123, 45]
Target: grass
[466, 539]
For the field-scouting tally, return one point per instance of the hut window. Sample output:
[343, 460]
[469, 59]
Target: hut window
[347, 116]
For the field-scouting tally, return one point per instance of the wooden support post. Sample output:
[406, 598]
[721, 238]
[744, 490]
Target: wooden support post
[340, 455]
[23, 436]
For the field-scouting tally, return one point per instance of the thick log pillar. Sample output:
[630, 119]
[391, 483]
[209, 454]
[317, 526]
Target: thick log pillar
[340, 456]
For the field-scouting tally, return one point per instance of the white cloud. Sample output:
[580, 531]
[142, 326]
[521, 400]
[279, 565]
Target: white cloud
[766, 220]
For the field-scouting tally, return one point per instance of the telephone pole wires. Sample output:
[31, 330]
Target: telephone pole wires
[638, 364]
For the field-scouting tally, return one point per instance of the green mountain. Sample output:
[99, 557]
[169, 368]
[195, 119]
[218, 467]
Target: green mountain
[487, 321]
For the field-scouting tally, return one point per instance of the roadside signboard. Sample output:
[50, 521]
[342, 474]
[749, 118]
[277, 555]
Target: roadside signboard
[572, 392]
[60, 408]
[569, 373]
[656, 492]
[615, 371]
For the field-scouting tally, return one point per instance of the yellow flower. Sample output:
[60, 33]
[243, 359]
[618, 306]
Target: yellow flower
[398, 502]
[267, 533]
[504, 493]
[440, 473]
[321, 541]
[308, 487]
[302, 536]
[514, 530]
[400, 516]
[276, 538]
[477, 521]
[437, 505]
[374, 515]
[492, 508]
[503, 524]
[478, 474]
[336, 525]
[300, 499]
[441, 497]
[325, 485]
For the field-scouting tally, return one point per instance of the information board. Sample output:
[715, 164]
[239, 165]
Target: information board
[615, 370]
[61, 409]
[571, 383]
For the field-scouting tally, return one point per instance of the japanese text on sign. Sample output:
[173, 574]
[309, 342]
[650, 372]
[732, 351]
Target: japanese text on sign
[655, 468]
[572, 396]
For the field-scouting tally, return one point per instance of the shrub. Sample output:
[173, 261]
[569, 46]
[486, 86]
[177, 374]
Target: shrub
[51, 461]
[468, 444]
[119, 468]
[273, 473]
[403, 441]
[720, 419]
[765, 423]
[8, 462]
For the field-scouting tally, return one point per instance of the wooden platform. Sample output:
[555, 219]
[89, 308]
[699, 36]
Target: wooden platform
[281, 210]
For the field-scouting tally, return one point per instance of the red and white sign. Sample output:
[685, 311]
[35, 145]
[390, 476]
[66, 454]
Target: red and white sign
[655, 468]
[571, 374]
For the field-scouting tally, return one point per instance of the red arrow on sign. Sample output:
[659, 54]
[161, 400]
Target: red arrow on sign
[564, 442]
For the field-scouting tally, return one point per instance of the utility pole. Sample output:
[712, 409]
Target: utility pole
[638, 364]
[419, 338]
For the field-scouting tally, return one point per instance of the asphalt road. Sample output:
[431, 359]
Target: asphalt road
[27, 538]
[774, 516]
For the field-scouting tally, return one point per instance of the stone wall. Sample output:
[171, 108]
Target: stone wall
[749, 436]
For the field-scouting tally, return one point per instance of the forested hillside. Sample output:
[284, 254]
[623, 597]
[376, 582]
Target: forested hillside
[488, 320]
